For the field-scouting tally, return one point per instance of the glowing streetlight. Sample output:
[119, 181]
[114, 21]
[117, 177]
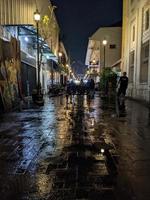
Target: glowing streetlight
[92, 121]
[94, 61]
[39, 97]
[102, 151]
[104, 44]
[60, 54]
[37, 16]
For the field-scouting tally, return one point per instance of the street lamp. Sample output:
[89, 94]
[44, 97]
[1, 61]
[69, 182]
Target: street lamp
[39, 97]
[60, 62]
[37, 18]
[94, 62]
[104, 44]
[60, 56]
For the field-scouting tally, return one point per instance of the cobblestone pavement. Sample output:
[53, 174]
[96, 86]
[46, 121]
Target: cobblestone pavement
[80, 150]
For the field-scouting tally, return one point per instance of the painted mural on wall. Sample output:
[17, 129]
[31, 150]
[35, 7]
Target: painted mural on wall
[9, 73]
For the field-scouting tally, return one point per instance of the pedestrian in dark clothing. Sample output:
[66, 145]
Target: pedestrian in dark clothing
[87, 86]
[68, 90]
[73, 88]
[123, 82]
[81, 87]
[91, 88]
[92, 84]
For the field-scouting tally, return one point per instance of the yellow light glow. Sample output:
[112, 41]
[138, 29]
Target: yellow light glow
[37, 16]
[92, 121]
[104, 42]
[94, 61]
[60, 54]
[102, 151]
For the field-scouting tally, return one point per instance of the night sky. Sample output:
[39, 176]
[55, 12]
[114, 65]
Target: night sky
[79, 19]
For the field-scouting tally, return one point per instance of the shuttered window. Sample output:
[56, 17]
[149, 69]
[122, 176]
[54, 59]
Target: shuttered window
[131, 66]
[144, 62]
[147, 19]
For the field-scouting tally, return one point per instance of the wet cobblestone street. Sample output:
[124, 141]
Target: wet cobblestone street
[80, 150]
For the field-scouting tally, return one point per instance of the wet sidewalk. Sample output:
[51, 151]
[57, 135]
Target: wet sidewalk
[80, 150]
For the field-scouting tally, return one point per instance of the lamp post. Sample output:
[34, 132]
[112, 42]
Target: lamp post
[61, 76]
[37, 18]
[105, 88]
[52, 67]
[94, 62]
[60, 56]
[67, 71]
[104, 44]
[39, 96]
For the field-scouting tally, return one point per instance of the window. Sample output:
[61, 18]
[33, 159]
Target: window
[112, 46]
[147, 19]
[133, 33]
[144, 62]
[131, 66]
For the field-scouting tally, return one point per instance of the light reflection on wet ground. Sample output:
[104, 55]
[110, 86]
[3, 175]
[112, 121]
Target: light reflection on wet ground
[54, 152]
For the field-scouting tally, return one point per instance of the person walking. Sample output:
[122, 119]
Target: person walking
[81, 88]
[68, 90]
[123, 84]
[92, 88]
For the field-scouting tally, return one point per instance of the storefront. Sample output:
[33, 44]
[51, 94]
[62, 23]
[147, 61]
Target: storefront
[28, 79]
[10, 86]
[28, 74]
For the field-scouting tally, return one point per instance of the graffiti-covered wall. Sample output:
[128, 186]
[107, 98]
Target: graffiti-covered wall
[10, 87]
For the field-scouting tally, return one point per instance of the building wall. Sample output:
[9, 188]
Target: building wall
[95, 51]
[136, 47]
[16, 11]
[20, 12]
[28, 79]
[113, 36]
[10, 85]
